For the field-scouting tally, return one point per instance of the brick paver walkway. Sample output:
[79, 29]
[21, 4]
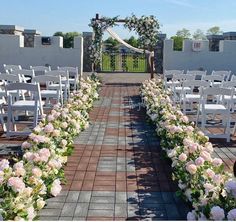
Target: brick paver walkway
[117, 170]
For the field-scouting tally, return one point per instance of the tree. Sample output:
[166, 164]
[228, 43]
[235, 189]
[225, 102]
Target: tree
[199, 35]
[184, 33]
[178, 42]
[111, 44]
[132, 41]
[68, 38]
[215, 30]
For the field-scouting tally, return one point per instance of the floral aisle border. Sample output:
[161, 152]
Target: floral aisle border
[25, 186]
[146, 27]
[201, 178]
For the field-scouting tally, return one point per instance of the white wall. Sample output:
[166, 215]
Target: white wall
[187, 59]
[13, 52]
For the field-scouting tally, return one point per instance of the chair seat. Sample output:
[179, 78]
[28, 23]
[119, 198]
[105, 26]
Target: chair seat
[56, 86]
[25, 104]
[49, 92]
[179, 89]
[214, 108]
[229, 97]
[193, 96]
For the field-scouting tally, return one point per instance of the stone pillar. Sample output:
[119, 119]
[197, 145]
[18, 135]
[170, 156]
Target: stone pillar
[158, 57]
[214, 42]
[29, 35]
[11, 29]
[87, 63]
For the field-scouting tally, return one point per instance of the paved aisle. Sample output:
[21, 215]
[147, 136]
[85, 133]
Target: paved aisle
[117, 171]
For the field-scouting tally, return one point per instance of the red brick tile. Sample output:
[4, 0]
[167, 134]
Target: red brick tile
[76, 185]
[92, 167]
[87, 185]
[69, 172]
[90, 175]
[121, 176]
[104, 183]
[82, 166]
[79, 175]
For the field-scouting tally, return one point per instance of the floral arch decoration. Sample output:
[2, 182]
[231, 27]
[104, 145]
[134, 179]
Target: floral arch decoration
[146, 27]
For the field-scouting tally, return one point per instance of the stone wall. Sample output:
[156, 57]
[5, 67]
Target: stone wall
[13, 52]
[187, 59]
[29, 36]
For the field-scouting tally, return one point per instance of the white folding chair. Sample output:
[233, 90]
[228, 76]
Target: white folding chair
[193, 96]
[25, 74]
[177, 85]
[199, 75]
[73, 75]
[32, 103]
[214, 80]
[10, 68]
[40, 70]
[50, 93]
[224, 73]
[64, 79]
[208, 107]
[232, 100]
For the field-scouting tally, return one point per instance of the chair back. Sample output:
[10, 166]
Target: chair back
[10, 68]
[198, 74]
[40, 70]
[226, 74]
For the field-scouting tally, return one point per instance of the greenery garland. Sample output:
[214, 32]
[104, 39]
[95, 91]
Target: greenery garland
[146, 27]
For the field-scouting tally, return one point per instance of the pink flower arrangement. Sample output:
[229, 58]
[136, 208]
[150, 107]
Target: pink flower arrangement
[16, 183]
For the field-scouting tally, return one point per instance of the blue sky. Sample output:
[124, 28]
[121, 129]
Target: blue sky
[49, 16]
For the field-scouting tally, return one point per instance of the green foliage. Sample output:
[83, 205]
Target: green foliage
[133, 41]
[184, 33]
[111, 44]
[215, 30]
[178, 42]
[199, 35]
[68, 38]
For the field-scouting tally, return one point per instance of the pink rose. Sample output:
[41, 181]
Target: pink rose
[217, 161]
[44, 154]
[206, 156]
[64, 125]
[199, 161]
[56, 133]
[56, 187]
[191, 168]
[210, 173]
[183, 157]
[63, 143]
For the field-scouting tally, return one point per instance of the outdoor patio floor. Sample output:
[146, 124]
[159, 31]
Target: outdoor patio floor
[117, 170]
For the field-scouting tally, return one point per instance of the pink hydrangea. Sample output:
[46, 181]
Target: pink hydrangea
[56, 187]
[37, 172]
[16, 184]
[210, 173]
[217, 213]
[44, 154]
[206, 156]
[232, 215]
[48, 128]
[55, 164]
[26, 145]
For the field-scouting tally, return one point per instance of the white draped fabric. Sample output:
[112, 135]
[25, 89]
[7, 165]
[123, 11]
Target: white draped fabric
[120, 40]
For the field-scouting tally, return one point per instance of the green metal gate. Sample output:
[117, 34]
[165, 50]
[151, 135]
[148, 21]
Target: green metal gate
[123, 62]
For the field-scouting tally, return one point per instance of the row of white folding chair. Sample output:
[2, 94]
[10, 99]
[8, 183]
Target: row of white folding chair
[226, 74]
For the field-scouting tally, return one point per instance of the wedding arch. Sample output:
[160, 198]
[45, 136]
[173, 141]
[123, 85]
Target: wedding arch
[146, 27]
